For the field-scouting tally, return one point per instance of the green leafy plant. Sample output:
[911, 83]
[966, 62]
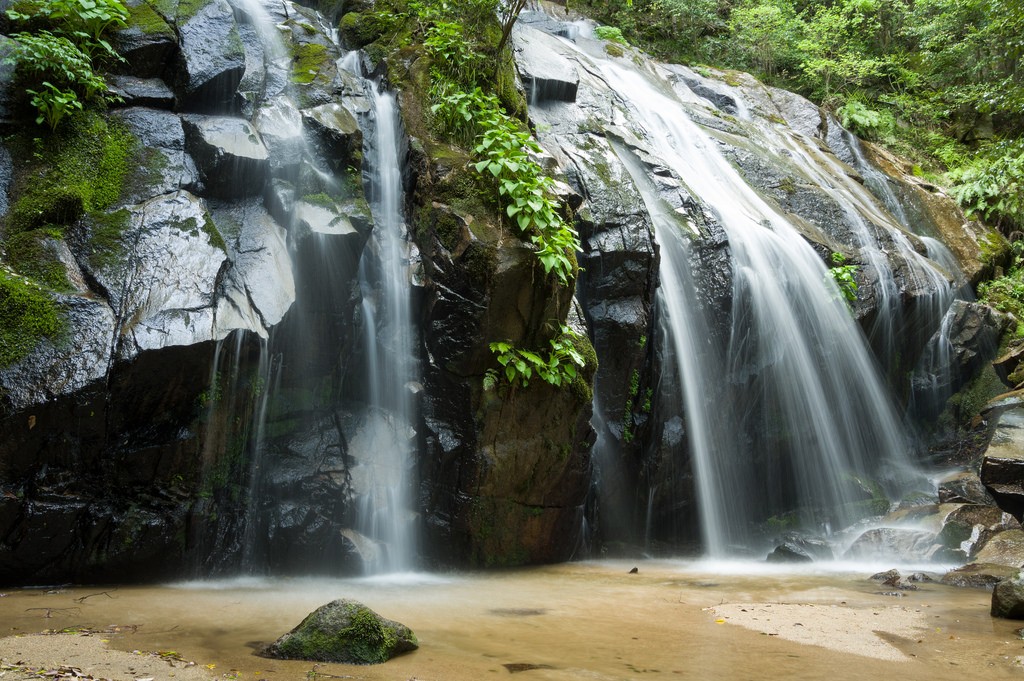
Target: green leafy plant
[451, 53]
[857, 117]
[93, 17]
[53, 104]
[558, 367]
[526, 193]
[55, 58]
[992, 185]
[60, 53]
[843, 277]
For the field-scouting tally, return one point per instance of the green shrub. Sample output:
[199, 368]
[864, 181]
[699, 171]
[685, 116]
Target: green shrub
[611, 34]
[991, 186]
[60, 51]
[46, 56]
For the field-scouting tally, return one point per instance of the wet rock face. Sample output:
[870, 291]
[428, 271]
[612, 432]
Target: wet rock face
[505, 471]
[121, 443]
[148, 44]
[231, 157]
[964, 487]
[211, 59]
[1002, 468]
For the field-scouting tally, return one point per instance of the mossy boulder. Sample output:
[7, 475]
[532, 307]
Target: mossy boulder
[344, 631]
[147, 43]
[1008, 598]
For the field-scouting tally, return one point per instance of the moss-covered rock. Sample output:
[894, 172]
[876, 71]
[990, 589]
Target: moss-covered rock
[84, 169]
[344, 631]
[359, 29]
[147, 43]
[27, 314]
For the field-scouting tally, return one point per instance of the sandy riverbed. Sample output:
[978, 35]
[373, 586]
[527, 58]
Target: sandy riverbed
[575, 621]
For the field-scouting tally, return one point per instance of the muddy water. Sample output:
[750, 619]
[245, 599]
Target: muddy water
[573, 621]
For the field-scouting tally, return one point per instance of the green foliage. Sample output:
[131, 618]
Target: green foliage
[766, 35]
[84, 21]
[53, 104]
[991, 185]
[843, 277]
[462, 111]
[44, 55]
[858, 118]
[60, 53]
[27, 314]
[559, 367]
[527, 193]
[611, 34]
[453, 56]
[1006, 293]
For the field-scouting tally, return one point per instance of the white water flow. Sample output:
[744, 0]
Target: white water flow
[386, 514]
[880, 239]
[781, 418]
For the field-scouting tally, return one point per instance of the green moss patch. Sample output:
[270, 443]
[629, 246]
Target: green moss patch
[84, 169]
[105, 237]
[27, 315]
[31, 254]
[359, 29]
[307, 60]
[189, 8]
[148, 20]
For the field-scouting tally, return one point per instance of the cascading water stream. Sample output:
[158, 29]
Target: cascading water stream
[352, 441]
[386, 510]
[793, 406]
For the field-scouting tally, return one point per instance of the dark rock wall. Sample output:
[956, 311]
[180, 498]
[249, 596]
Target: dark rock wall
[128, 447]
[199, 414]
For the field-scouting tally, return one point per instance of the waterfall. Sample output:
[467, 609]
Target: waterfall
[793, 406]
[309, 462]
[787, 417]
[386, 509]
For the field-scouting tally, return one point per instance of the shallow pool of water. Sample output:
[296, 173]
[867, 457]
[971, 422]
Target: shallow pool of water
[593, 620]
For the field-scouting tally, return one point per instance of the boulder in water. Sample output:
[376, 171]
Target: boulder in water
[797, 549]
[344, 631]
[788, 552]
[893, 543]
[967, 527]
[1008, 598]
[978, 575]
[964, 487]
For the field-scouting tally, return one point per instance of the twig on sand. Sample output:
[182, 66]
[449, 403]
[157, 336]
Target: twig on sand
[81, 599]
[50, 611]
